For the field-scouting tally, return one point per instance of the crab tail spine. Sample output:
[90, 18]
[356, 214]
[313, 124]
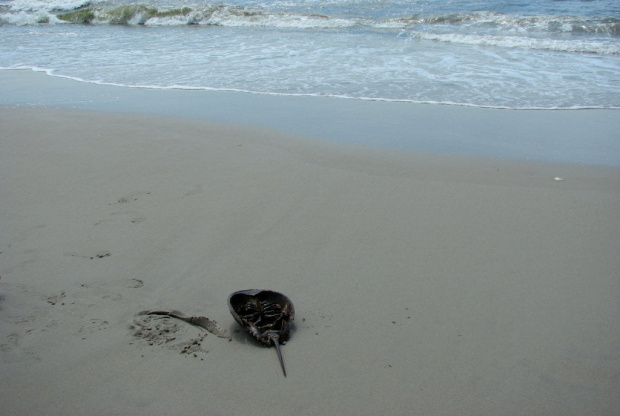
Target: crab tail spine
[276, 343]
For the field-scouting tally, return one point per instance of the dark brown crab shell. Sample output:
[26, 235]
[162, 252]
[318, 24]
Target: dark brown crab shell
[262, 313]
[265, 314]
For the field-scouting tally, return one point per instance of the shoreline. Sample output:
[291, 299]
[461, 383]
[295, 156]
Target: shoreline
[423, 284]
[314, 96]
[557, 136]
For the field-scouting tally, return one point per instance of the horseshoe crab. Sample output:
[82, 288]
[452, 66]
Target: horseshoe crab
[265, 315]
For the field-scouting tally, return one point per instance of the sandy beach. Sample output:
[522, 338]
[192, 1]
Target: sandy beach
[424, 284]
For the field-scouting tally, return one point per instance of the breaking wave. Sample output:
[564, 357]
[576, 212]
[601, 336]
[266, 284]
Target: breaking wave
[512, 55]
[28, 12]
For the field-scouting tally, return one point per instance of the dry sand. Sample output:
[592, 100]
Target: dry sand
[424, 285]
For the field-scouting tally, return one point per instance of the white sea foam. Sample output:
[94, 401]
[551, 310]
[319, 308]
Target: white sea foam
[232, 17]
[476, 23]
[573, 46]
[49, 5]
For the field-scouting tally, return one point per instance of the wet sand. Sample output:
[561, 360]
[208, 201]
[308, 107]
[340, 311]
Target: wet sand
[580, 136]
[423, 284]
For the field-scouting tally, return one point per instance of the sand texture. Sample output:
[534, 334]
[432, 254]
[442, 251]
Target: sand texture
[423, 285]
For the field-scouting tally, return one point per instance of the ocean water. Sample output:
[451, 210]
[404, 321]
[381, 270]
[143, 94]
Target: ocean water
[527, 54]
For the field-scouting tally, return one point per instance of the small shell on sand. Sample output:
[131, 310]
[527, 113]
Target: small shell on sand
[558, 179]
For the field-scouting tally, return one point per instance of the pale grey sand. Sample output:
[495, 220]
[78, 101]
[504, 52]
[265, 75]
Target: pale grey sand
[423, 285]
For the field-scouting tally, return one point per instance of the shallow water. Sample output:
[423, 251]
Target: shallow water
[535, 55]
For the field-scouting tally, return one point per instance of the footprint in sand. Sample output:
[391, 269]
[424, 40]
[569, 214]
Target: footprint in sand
[10, 342]
[134, 283]
[130, 198]
[53, 300]
[122, 217]
[99, 255]
[93, 325]
[196, 189]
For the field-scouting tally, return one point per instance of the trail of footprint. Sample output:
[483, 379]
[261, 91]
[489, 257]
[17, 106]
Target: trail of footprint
[27, 314]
